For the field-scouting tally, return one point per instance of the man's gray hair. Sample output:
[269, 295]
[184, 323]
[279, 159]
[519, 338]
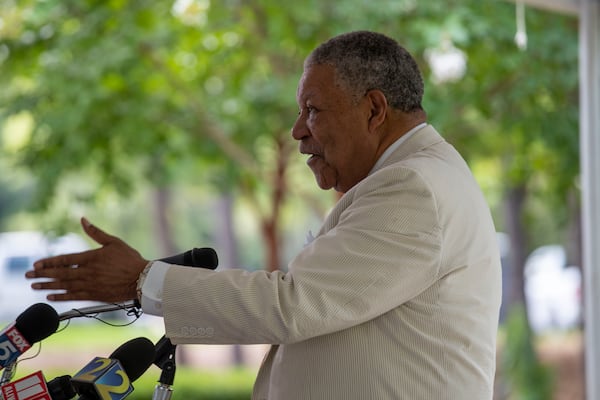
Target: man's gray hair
[366, 60]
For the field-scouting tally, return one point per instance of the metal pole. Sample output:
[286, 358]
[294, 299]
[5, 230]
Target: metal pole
[589, 73]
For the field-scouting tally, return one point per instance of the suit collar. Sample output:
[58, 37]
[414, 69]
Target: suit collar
[421, 139]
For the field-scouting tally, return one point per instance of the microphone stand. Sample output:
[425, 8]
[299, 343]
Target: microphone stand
[132, 306]
[165, 360]
[8, 373]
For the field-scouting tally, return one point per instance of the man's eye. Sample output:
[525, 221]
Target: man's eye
[308, 110]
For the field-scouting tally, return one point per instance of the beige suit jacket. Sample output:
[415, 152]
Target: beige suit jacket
[396, 298]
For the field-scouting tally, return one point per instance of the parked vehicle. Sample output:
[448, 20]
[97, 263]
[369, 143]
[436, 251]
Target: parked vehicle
[18, 251]
[553, 290]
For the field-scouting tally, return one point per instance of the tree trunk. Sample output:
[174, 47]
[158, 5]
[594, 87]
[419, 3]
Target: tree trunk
[165, 243]
[270, 223]
[574, 239]
[229, 254]
[164, 234]
[225, 234]
[519, 357]
[514, 201]
[270, 236]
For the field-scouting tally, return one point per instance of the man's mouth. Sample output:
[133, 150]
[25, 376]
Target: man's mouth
[312, 156]
[312, 159]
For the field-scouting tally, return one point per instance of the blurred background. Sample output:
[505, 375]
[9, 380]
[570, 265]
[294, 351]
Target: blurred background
[168, 124]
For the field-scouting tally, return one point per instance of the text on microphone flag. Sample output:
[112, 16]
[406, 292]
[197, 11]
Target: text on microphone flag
[106, 376]
[12, 345]
[31, 387]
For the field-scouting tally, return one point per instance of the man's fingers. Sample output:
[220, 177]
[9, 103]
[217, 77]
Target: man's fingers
[61, 273]
[66, 296]
[65, 282]
[49, 285]
[63, 260]
[96, 233]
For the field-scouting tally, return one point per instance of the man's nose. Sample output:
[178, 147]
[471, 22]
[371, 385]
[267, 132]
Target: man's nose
[299, 129]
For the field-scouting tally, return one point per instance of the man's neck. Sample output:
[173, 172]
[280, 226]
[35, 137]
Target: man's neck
[398, 124]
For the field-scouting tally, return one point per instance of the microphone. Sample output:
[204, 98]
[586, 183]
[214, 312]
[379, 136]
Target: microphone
[60, 388]
[133, 357]
[33, 325]
[35, 387]
[102, 379]
[204, 257]
[110, 378]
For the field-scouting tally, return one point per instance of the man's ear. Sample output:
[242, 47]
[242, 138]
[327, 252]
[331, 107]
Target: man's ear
[379, 106]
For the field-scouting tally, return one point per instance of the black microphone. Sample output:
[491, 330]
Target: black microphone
[136, 356]
[33, 325]
[204, 257]
[60, 388]
[110, 378]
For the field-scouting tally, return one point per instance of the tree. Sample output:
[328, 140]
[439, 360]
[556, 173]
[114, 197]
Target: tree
[523, 111]
[143, 91]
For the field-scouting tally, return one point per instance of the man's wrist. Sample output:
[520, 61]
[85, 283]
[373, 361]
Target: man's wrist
[141, 279]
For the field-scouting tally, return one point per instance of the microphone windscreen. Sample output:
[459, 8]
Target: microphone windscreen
[135, 356]
[204, 257]
[37, 322]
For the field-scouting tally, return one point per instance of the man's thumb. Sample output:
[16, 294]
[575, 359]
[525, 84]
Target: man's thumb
[95, 233]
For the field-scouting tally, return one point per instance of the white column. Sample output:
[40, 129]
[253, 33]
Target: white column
[589, 73]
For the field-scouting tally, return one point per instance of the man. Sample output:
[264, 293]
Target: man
[398, 295]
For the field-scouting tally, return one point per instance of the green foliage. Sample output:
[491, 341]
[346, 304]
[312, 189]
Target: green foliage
[523, 374]
[131, 91]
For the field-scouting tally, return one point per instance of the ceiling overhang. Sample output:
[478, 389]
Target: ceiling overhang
[564, 6]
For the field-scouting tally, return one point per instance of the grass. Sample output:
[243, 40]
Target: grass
[192, 384]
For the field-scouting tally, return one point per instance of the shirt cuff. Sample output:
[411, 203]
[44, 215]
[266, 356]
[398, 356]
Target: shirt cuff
[151, 287]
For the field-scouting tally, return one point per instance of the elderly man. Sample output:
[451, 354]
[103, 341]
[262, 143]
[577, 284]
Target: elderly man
[397, 296]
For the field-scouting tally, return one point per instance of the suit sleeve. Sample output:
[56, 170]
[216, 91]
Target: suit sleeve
[383, 251]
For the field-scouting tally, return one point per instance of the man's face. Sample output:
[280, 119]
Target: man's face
[332, 128]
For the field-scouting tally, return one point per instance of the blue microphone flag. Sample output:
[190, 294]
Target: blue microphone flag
[102, 379]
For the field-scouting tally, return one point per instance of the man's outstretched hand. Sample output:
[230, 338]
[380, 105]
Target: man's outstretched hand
[108, 274]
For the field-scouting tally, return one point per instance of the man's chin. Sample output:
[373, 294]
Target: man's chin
[324, 175]
[323, 183]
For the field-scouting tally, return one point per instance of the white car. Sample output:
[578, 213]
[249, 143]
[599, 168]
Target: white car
[552, 289]
[18, 251]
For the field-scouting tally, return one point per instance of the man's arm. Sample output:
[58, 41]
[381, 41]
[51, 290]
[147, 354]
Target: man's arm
[384, 251]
